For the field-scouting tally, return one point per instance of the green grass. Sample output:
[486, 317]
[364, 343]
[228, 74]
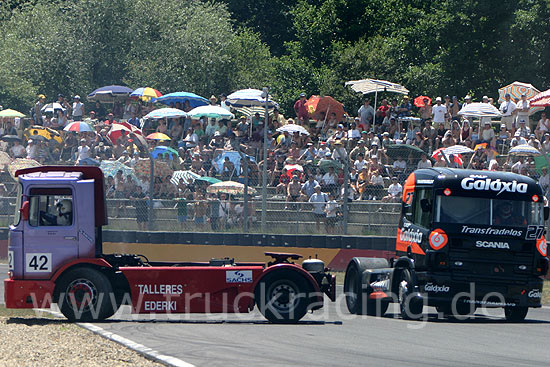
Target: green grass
[546, 293]
[23, 312]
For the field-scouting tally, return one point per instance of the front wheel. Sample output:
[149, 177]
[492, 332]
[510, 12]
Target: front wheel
[515, 314]
[85, 295]
[409, 305]
[283, 297]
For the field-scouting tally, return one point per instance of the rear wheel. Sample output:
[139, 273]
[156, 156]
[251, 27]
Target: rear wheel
[356, 300]
[515, 314]
[410, 306]
[85, 295]
[283, 296]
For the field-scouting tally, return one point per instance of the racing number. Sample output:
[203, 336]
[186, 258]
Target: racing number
[534, 232]
[38, 263]
[11, 261]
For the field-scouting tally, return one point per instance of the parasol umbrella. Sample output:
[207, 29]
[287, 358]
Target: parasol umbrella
[78, 126]
[458, 149]
[143, 168]
[249, 111]
[524, 150]
[479, 110]
[541, 161]
[325, 164]
[169, 113]
[234, 157]
[194, 99]
[158, 136]
[52, 107]
[116, 131]
[419, 101]
[404, 151]
[162, 150]
[540, 103]
[248, 98]
[11, 113]
[145, 94]
[366, 86]
[229, 187]
[456, 156]
[292, 128]
[319, 107]
[186, 176]
[290, 168]
[4, 159]
[210, 180]
[516, 89]
[215, 112]
[46, 133]
[110, 93]
[10, 138]
[21, 163]
[110, 168]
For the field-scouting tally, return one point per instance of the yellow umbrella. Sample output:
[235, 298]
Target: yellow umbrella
[47, 133]
[158, 136]
[11, 113]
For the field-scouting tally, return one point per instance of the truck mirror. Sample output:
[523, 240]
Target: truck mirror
[425, 205]
[546, 212]
[24, 210]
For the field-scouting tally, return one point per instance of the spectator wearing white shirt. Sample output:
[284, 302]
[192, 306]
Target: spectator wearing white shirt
[83, 151]
[318, 199]
[508, 111]
[360, 162]
[323, 150]
[77, 109]
[524, 130]
[438, 111]
[399, 166]
[522, 110]
[353, 132]
[32, 150]
[517, 139]
[544, 180]
[424, 162]
[17, 150]
[394, 191]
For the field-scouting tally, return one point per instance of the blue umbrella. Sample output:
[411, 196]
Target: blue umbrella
[110, 93]
[234, 157]
[248, 98]
[162, 113]
[161, 150]
[194, 99]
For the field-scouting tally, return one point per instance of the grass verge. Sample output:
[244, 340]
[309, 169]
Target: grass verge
[23, 312]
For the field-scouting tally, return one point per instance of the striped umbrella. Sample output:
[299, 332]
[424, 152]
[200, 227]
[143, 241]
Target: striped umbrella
[166, 113]
[458, 149]
[186, 176]
[248, 98]
[229, 187]
[145, 93]
[158, 136]
[516, 89]
[116, 131]
[214, 112]
[524, 150]
[78, 126]
[366, 86]
[249, 111]
[479, 110]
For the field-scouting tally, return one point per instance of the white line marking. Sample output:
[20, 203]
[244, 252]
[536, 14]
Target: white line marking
[139, 348]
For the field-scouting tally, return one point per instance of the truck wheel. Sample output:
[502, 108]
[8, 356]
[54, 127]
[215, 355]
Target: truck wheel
[283, 297]
[356, 300]
[515, 314]
[410, 307]
[84, 295]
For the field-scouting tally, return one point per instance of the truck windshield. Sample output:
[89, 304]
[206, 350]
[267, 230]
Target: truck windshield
[17, 215]
[466, 210]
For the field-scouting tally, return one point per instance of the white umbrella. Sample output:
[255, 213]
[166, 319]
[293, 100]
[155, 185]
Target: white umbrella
[166, 113]
[292, 128]
[248, 98]
[479, 110]
[187, 176]
[366, 86]
[52, 107]
[457, 149]
[524, 150]
[215, 112]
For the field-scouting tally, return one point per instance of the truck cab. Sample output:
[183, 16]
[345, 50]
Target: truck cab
[465, 239]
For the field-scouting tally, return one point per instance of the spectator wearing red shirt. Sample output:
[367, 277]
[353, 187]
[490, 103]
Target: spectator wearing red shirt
[382, 111]
[301, 109]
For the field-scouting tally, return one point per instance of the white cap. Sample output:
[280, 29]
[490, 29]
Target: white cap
[438, 99]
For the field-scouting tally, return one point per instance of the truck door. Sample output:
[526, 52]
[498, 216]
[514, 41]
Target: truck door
[51, 233]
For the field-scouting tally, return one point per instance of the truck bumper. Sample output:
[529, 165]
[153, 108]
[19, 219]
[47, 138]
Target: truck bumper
[439, 290]
[28, 293]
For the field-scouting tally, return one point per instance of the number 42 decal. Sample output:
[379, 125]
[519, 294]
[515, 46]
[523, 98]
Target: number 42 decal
[534, 232]
[38, 263]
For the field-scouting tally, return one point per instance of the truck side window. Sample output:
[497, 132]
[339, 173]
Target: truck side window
[50, 207]
[421, 217]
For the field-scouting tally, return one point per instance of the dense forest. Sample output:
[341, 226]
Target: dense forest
[208, 47]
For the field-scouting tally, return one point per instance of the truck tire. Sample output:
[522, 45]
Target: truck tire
[410, 307]
[283, 296]
[515, 314]
[85, 295]
[356, 299]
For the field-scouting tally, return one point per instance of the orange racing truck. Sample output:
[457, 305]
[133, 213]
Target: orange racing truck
[466, 239]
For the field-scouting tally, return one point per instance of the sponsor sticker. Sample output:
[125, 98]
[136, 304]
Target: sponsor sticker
[438, 239]
[493, 244]
[434, 288]
[498, 186]
[535, 293]
[542, 246]
[238, 276]
[492, 231]
[38, 263]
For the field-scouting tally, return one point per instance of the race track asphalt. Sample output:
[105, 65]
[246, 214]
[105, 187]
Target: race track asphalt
[332, 337]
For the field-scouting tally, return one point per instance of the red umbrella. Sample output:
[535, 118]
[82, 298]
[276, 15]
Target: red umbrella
[319, 107]
[419, 101]
[290, 168]
[457, 157]
[117, 129]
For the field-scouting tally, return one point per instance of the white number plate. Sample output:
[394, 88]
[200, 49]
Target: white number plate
[38, 263]
[11, 261]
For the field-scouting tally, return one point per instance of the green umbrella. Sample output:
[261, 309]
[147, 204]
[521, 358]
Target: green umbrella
[404, 151]
[210, 180]
[541, 161]
[11, 113]
[324, 164]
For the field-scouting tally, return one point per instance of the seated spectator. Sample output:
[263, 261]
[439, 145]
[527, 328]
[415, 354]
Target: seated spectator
[533, 141]
[424, 162]
[17, 150]
[543, 126]
[329, 180]
[517, 139]
[284, 180]
[395, 190]
[524, 131]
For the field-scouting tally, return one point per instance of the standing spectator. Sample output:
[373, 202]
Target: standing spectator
[37, 109]
[308, 188]
[214, 205]
[32, 150]
[522, 110]
[293, 191]
[200, 208]
[318, 199]
[426, 110]
[544, 181]
[455, 107]
[301, 110]
[394, 191]
[331, 209]
[366, 114]
[439, 111]
[140, 203]
[77, 109]
[223, 102]
[508, 108]
[405, 108]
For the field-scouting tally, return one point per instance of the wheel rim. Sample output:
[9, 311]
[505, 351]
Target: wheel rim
[403, 290]
[81, 293]
[283, 296]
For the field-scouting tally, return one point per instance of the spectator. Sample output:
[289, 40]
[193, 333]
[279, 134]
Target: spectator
[293, 190]
[405, 108]
[308, 188]
[507, 109]
[77, 109]
[331, 209]
[543, 126]
[524, 131]
[366, 114]
[395, 191]
[488, 134]
[425, 110]
[200, 208]
[522, 110]
[37, 109]
[318, 199]
[424, 162]
[323, 150]
[544, 181]
[18, 150]
[455, 108]
[215, 209]
[300, 109]
[546, 143]
[329, 180]
[517, 139]
[140, 204]
[439, 112]
[32, 150]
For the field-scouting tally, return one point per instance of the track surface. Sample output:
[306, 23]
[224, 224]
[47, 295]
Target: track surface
[332, 337]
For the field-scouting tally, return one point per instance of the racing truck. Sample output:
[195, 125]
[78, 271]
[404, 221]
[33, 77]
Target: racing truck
[465, 239]
[55, 256]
